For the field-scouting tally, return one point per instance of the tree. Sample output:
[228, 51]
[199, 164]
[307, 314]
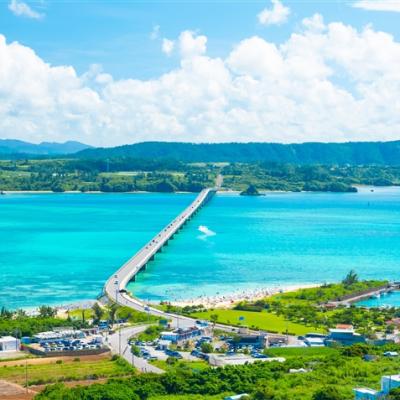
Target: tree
[97, 311]
[135, 350]
[47, 312]
[394, 394]
[206, 347]
[350, 279]
[112, 311]
[214, 318]
[327, 393]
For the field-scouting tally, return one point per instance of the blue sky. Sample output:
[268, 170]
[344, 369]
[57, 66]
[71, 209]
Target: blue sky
[114, 72]
[117, 34]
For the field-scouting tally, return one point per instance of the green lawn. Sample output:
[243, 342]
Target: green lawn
[66, 371]
[257, 320]
[294, 352]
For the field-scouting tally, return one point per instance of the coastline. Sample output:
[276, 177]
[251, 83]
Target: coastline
[227, 300]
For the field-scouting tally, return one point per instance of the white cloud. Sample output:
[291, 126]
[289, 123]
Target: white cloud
[378, 5]
[21, 9]
[191, 45]
[314, 23]
[155, 32]
[167, 46]
[276, 15]
[326, 82]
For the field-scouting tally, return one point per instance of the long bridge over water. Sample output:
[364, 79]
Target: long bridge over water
[115, 287]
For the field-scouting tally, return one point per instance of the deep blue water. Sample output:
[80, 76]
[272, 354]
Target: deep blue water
[61, 248]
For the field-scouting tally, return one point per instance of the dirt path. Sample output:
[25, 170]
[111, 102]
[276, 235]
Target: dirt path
[12, 391]
[52, 360]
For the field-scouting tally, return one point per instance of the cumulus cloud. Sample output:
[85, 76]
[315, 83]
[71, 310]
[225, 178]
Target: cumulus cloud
[21, 9]
[378, 5]
[314, 23]
[167, 46]
[326, 82]
[277, 15]
[191, 45]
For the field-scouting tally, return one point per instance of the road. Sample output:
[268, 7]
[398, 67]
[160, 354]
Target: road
[118, 342]
[115, 287]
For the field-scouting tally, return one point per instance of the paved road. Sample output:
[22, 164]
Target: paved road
[115, 287]
[118, 342]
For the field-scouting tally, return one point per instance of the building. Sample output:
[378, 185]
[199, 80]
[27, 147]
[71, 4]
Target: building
[9, 343]
[314, 342]
[388, 383]
[367, 394]
[237, 397]
[254, 341]
[344, 336]
[221, 360]
[182, 335]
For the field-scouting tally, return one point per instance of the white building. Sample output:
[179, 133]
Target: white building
[367, 394]
[221, 360]
[388, 382]
[9, 343]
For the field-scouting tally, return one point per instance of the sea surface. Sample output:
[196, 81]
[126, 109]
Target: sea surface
[60, 248]
[387, 299]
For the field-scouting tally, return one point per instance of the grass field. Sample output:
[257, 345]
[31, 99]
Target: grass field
[65, 371]
[294, 352]
[257, 320]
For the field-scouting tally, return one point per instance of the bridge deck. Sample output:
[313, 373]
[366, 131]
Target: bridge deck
[118, 281]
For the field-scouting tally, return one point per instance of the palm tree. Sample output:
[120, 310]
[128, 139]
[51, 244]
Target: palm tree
[97, 311]
[112, 311]
[350, 279]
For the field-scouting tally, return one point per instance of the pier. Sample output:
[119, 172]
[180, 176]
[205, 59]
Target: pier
[115, 287]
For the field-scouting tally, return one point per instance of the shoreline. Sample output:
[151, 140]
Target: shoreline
[363, 188]
[229, 299]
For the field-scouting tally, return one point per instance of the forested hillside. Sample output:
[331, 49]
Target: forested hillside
[356, 153]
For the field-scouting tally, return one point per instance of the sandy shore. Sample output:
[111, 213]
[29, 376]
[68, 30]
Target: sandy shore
[227, 300]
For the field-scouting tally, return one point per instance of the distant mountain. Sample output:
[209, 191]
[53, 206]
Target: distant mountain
[356, 153]
[10, 146]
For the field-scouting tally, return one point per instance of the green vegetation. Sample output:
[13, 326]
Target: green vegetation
[322, 178]
[303, 311]
[115, 175]
[17, 323]
[111, 313]
[151, 333]
[361, 153]
[329, 371]
[160, 175]
[250, 191]
[180, 364]
[258, 320]
[62, 371]
[328, 292]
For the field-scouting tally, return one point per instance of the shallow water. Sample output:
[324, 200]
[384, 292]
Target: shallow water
[60, 248]
[386, 300]
[278, 239]
[57, 249]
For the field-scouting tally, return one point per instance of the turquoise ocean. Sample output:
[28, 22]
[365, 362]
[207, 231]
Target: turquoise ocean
[60, 248]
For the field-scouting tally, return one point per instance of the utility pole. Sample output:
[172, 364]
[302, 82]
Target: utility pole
[26, 376]
[119, 340]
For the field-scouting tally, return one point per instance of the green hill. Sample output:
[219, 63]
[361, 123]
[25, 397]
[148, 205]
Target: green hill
[355, 153]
